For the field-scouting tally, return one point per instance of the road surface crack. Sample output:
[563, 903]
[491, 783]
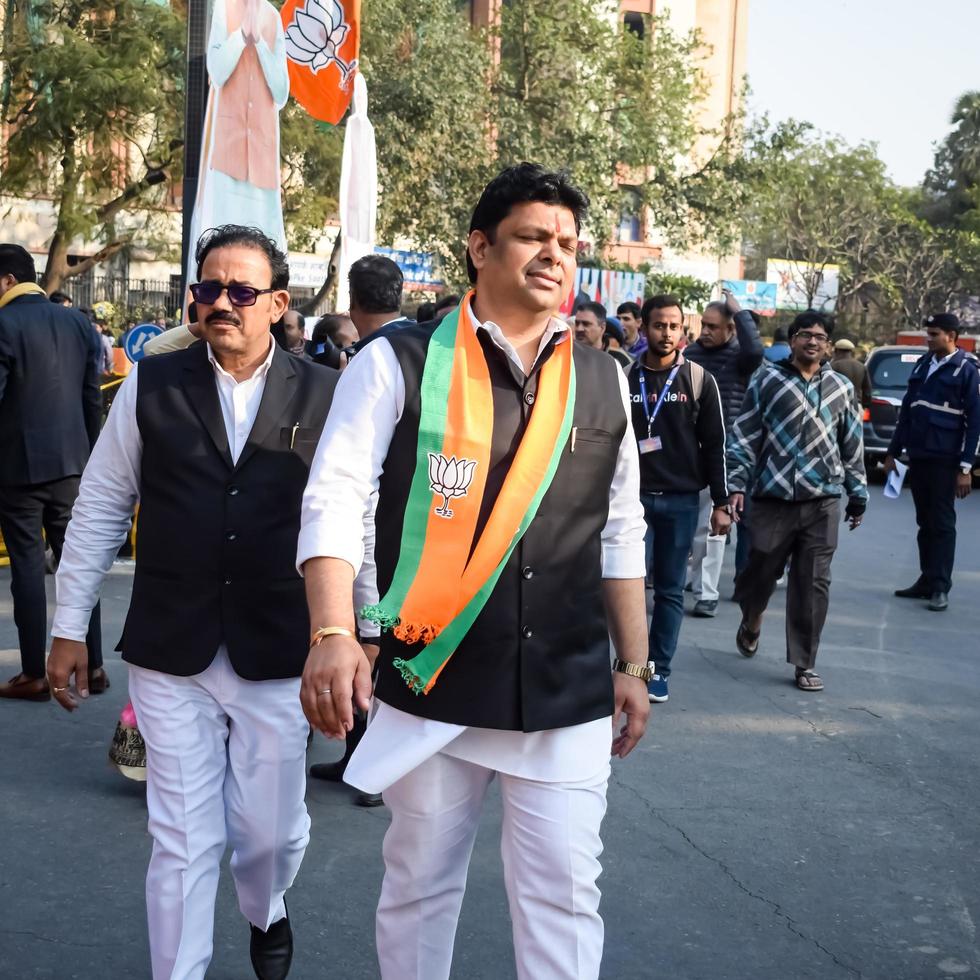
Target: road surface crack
[776, 908]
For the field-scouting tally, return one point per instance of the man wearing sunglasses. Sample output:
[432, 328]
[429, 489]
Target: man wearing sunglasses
[795, 448]
[215, 442]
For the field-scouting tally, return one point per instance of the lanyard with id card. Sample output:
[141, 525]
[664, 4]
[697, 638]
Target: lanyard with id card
[652, 443]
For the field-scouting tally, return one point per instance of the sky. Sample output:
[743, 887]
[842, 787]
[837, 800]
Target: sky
[884, 71]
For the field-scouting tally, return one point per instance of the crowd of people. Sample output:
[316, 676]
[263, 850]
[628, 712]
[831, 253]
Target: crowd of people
[419, 536]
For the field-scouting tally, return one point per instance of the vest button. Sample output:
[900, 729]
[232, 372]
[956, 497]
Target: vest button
[529, 398]
[232, 491]
[527, 572]
[231, 536]
[527, 632]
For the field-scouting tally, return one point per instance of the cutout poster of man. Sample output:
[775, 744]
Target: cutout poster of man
[240, 179]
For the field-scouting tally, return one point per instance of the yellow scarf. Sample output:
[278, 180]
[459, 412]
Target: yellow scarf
[21, 289]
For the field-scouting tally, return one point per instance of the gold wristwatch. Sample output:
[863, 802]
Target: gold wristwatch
[634, 670]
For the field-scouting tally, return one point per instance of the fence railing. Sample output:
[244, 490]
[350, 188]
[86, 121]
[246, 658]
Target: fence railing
[140, 298]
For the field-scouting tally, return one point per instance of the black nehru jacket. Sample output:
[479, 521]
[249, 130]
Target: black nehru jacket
[537, 656]
[216, 541]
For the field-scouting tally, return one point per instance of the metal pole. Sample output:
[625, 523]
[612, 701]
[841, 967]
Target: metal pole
[195, 106]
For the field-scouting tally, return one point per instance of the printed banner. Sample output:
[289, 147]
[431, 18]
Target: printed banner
[751, 294]
[322, 43]
[803, 286]
[606, 287]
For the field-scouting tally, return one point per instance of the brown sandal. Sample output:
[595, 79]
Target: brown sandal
[808, 680]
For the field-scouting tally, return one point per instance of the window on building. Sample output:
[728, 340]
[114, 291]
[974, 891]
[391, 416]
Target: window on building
[630, 216]
[636, 23]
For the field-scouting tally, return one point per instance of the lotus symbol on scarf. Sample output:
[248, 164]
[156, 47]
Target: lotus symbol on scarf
[315, 36]
[451, 478]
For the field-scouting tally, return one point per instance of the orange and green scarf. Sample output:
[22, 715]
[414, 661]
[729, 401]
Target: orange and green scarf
[442, 580]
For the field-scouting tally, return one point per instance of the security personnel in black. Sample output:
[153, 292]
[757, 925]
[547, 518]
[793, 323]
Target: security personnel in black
[216, 442]
[939, 430]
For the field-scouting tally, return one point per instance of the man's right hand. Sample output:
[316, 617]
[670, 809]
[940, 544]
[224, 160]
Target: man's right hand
[336, 675]
[737, 500]
[67, 657]
[890, 466]
[732, 305]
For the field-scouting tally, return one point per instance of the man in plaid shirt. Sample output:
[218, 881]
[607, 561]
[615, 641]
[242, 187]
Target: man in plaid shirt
[795, 448]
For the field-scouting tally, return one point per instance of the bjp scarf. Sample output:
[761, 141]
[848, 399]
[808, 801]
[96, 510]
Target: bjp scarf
[442, 579]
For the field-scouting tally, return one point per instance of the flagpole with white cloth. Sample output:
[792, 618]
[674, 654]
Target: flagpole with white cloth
[358, 190]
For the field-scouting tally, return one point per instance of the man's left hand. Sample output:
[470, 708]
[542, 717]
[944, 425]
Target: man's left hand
[964, 483]
[721, 521]
[631, 699]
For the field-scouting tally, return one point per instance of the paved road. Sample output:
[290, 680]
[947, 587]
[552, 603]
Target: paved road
[758, 833]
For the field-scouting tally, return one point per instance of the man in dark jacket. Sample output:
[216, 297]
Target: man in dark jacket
[50, 409]
[939, 428]
[729, 349]
[680, 433]
[844, 362]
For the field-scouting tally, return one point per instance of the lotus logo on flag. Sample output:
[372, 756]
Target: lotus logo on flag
[315, 37]
[450, 478]
[321, 34]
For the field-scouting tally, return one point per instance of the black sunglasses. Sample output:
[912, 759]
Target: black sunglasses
[208, 293]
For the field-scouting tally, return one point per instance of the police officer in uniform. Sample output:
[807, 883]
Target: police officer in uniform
[939, 429]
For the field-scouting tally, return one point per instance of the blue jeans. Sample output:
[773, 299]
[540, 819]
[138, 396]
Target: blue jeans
[672, 520]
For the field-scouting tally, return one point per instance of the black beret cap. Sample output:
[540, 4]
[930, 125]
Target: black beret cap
[944, 321]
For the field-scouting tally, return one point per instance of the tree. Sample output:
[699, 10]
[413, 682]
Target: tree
[93, 100]
[818, 202]
[953, 185]
[571, 88]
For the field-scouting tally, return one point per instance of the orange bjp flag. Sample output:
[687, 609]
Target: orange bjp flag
[322, 42]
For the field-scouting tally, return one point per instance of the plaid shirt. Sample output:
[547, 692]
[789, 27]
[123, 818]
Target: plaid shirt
[796, 439]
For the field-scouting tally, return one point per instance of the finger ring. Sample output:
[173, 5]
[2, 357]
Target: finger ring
[58, 690]
[326, 690]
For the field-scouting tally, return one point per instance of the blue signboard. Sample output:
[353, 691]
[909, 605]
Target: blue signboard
[418, 268]
[753, 295]
[135, 339]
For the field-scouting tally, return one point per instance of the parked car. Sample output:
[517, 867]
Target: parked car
[889, 369]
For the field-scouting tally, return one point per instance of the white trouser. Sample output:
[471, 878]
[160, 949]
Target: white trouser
[550, 846]
[707, 554]
[225, 763]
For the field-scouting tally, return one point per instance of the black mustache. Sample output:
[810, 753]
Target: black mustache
[221, 317]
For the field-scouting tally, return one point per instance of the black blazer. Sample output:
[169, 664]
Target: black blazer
[50, 403]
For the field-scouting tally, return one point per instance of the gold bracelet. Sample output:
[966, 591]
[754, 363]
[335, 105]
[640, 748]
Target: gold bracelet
[330, 631]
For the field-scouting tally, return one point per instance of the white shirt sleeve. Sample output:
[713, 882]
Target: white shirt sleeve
[623, 549]
[366, 582]
[101, 515]
[338, 505]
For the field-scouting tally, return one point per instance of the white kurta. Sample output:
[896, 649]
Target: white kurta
[337, 508]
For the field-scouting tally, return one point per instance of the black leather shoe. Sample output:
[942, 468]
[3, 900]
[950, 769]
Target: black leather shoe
[369, 799]
[938, 602]
[272, 951]
[333, 772]
[914, 592]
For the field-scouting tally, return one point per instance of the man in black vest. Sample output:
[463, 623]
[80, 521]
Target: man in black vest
[50, 412]
[216, 442]
[527, 695]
